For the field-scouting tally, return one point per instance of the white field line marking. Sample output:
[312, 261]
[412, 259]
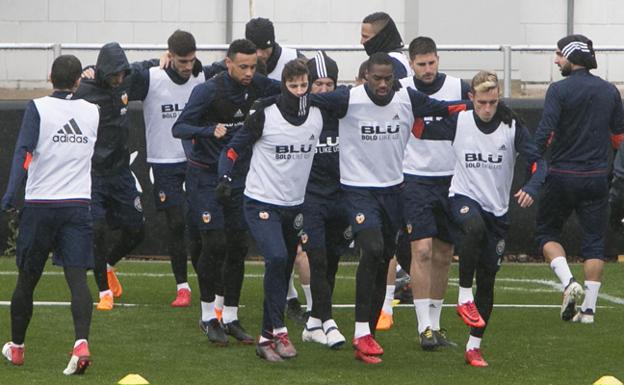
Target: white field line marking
[554, 286]
[61, 303]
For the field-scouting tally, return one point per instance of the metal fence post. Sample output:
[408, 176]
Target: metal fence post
[56, 50]
[507, 71]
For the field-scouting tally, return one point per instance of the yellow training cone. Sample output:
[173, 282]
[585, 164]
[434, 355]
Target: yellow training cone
[608, 380]
[133, 379]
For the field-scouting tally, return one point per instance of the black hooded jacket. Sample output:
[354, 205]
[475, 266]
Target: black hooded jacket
[111, 152]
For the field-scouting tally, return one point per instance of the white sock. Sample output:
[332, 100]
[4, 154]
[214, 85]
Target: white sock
[106, 292]
[109, 267]
[435, 311]
[17, 345]
[560, 266]
[313, 323]
[398, 268]
[473, 343]
[361, 329]
[591, 295]
[78, 342]
[330, 323]
[280, 330]
[387, 305]
[207, 310]
[465, 295]
[263, 339]
[183, 285]
[230, 314]
[218, 302]
[308, 296]
[292, 292]
[422, 314]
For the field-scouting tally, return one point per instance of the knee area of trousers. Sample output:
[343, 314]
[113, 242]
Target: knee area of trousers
[176, 226]
[474, 226]
[135, 236]
[370, 242]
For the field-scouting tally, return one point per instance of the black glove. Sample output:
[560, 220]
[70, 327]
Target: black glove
[197, 68]
[224, 190]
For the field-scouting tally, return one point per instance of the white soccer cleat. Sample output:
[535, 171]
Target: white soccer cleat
[584, 317]
[314, 335]
[335, 339]
[571, 295]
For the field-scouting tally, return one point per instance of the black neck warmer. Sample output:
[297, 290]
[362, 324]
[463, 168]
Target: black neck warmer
[293, 108]
[387, 40]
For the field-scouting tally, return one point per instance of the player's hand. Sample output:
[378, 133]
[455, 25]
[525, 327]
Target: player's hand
[524, 199]
[88, 73]
[165, 60]
[220, 131]
[223, 191]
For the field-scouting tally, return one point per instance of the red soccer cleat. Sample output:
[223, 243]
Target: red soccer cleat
[366, 358]
[13, 353]
[79, 361]
[367, 346]
[474, 358]
[470, 315]
[183, 298]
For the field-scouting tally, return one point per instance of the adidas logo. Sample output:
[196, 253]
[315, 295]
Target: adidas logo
[70, 133]
[312, 137]
[396, 117]
[502, 148]
[239, 114]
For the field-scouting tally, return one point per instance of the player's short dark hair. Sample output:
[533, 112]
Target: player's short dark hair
[362, 70]
[181, 43]
[378, 20]
[422, 45]
[293, 69]
[379, 58]
[243, 46]
[66, 69]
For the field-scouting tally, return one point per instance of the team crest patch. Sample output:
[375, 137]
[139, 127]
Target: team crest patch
[263, 215]
[360, 218]
[408, 227]
[464, 210]
[137, 204]
[500, 247]
[162, 196]
[304, 238]
[124, 98]
[298, 222]
[206, 217]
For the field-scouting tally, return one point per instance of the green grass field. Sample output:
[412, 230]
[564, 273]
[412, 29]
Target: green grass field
[524, 345]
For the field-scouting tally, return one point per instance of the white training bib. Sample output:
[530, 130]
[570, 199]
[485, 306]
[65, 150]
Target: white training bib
[164, 103]
[373, 139]
[287, 55]
[485, 164]
[282, 158]
[431, 157]
[61, 162]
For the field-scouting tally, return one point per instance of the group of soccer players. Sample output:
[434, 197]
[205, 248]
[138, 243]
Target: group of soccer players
[416, 173]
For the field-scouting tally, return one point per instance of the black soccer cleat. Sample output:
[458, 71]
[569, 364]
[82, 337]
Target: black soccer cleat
[215, 333]
[443, 340]
[295, 312]
[428, 340]
[236, 330]
[572, 294]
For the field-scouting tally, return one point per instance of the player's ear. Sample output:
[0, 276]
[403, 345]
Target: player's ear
[471, 96]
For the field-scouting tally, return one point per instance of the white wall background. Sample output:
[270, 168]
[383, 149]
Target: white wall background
[535, 22]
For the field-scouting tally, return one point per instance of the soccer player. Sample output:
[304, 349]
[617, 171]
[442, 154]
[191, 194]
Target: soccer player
[580, 114]
[115, 199]
[428, 168]
[273, 57]
[284, 131]
[325, 214]
[261, 32]
[54, 148]
[209, 120]
[164, 93]
[380, 34]
[486, 142]
[375, 121]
